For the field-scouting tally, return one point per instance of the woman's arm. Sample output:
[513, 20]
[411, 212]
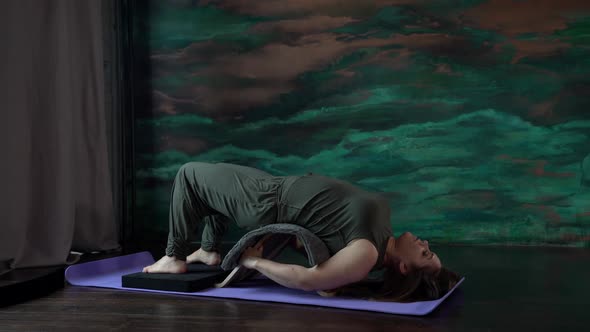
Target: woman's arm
[351, 264]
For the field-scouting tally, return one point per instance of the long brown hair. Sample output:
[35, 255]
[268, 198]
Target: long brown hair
[417, 285]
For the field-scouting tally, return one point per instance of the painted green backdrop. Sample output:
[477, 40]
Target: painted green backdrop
[470, 116]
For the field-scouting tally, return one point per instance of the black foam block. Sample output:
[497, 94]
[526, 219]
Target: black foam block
[198, 277]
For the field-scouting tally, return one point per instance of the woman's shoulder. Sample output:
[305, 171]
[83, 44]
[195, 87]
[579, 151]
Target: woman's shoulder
[363, 244]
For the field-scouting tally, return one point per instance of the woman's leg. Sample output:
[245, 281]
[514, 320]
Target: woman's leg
[188, 207]
[222, 192]
[217, 225]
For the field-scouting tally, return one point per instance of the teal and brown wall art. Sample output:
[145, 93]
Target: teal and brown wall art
[472, 117]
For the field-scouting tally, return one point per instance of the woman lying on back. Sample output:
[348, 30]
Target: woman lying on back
[353, 223]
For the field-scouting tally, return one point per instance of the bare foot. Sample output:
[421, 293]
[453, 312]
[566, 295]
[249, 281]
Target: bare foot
[202, 256]
[166, 265]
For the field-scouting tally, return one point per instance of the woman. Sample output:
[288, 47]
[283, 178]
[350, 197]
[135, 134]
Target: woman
[353, 223]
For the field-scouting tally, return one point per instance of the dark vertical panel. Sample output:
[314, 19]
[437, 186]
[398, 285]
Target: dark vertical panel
[119, 90]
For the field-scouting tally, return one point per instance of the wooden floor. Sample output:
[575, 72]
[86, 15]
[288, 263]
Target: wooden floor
[506, 289]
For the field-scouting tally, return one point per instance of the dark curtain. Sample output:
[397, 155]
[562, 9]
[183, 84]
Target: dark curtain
[55, 188]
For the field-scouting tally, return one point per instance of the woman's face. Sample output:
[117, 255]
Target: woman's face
[415, 253]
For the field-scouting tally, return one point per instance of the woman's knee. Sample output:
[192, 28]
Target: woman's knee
[192, 167]
[187, 173]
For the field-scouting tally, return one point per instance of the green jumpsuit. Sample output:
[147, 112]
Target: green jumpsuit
[219, 193]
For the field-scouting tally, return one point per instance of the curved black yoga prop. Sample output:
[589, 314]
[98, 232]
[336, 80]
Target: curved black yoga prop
[316, 250]
[274, 238]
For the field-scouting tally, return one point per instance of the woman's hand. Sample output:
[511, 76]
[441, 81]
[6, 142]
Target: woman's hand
[250, 255]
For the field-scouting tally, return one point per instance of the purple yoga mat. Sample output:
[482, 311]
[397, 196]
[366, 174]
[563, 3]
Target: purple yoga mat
[107, 273]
